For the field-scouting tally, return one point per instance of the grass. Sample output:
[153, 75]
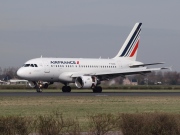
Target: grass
[82, 106]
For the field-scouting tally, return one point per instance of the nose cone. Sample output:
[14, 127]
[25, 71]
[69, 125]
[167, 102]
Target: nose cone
[20, 73]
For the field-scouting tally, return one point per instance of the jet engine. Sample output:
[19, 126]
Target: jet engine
[86, 82]
[32, 84]
[40, 84]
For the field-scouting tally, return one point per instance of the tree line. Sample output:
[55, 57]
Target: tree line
[8, 73]
[164, 78]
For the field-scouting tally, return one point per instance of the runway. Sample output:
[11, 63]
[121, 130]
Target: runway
[34, 94]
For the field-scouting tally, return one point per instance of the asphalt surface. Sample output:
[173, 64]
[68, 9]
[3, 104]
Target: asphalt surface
[33, 94]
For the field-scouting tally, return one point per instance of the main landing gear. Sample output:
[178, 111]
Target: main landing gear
[66, 89]
[97, 89]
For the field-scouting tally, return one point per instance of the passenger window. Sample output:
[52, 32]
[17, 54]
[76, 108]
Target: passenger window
[35, 65]
[32, 65]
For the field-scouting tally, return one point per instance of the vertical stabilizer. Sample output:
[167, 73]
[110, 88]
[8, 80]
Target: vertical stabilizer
[130, 46]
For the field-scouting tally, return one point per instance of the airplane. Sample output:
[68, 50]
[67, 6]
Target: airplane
[85, 72]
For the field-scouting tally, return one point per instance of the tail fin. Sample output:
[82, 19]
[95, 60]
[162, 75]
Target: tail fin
[130, 46]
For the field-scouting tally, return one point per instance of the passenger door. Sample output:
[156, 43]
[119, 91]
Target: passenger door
[46, 66]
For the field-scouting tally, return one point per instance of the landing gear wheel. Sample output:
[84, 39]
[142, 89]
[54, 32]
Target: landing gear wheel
[38, 90]
[97, 89]
[45, 86]
[66, 89]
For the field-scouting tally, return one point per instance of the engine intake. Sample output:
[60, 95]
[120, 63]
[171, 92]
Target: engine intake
[86, 82]
[31, 84]
[38, 84]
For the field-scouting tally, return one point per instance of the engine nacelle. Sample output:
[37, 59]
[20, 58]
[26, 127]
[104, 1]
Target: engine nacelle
[86, 82]
[39, 84]
[31, 84]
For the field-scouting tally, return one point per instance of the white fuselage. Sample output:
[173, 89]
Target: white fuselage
[60, 69]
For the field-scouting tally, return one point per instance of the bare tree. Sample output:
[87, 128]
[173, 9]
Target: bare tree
[11, 72]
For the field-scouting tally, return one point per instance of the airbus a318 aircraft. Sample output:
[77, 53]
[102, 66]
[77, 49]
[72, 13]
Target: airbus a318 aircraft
[86, 73]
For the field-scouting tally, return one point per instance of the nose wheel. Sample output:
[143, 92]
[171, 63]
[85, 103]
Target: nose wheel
[39, 86]
[66, 89]
[39, 90]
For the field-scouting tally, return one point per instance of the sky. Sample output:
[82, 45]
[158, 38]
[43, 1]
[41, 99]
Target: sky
[88, 29]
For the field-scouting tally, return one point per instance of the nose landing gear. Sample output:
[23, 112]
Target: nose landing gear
[39, 86]
[39, 90]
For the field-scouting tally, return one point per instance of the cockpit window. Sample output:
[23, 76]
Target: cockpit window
[26, 65]
[30, 65]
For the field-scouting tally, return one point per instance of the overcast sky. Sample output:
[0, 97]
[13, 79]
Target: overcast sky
[88, 28]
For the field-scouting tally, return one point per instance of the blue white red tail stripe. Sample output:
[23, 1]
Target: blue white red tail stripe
[129, 45]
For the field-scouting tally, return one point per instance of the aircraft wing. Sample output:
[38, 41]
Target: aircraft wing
[119, 72]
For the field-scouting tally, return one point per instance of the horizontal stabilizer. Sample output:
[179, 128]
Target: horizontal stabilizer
[170, 68]
[142, 65]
